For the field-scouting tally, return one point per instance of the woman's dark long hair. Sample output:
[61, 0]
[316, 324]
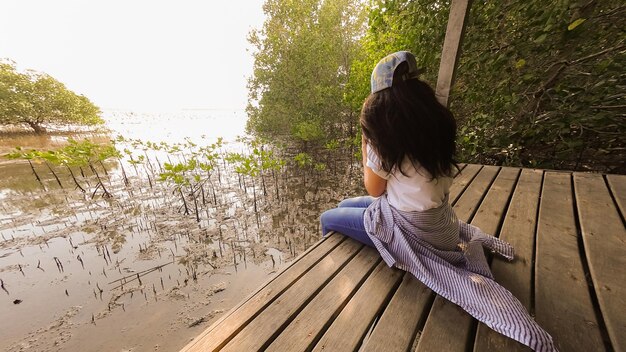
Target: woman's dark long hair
[406, 120]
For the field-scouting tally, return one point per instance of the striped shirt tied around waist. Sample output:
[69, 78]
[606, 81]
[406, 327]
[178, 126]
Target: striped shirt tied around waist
[447, 255]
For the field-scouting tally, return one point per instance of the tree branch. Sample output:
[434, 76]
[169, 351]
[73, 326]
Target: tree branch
[608, 107]
[605, 51]
[617, 9]
[564, 64]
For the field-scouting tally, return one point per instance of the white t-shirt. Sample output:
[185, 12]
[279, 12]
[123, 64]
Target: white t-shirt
[413, 192]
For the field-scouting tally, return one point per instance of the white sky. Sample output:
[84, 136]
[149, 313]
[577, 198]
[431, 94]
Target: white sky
[142, 55]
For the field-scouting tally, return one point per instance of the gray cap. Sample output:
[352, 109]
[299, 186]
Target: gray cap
[382, 76]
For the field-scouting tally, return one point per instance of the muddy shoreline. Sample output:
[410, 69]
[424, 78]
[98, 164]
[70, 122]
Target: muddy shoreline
[133, 272]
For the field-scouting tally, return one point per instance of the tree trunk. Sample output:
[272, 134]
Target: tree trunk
[37, 127]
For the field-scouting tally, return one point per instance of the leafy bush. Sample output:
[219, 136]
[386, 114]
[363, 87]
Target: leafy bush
[34, 98]
[542, 86]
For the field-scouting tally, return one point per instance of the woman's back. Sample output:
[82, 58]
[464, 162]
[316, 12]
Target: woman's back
[413, 189]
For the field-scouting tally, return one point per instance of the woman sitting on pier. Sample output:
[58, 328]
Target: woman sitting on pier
[408, 152]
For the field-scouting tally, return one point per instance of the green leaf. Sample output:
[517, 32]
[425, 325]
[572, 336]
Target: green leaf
[520, 63]
[575, 24]
[320, 166]
[540, 39]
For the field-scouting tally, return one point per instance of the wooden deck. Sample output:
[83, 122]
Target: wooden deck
[570, 269]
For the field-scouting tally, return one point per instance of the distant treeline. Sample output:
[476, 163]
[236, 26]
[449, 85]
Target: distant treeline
[537, 86]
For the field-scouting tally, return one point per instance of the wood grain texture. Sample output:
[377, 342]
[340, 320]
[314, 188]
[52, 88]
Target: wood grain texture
[518, 229]
[459, 10]
[467, 204]
[253, 337]
[447, 328]
[617, 183]
[306, 328]
[405, 313]
[462, 180]
[492, 209]
[563, 305]
[347, 331]
[604, 237]
[216, 335]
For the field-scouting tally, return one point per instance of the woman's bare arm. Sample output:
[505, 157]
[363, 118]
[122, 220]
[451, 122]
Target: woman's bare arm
[374, 184]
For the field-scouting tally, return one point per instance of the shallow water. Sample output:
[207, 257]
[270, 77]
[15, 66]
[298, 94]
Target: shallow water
[70, 260]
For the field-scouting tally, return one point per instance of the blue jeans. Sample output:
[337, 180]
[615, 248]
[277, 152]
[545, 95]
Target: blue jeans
[347, 219]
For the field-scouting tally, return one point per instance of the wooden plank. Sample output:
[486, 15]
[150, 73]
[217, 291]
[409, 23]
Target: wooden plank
[618, 187]
[604, 237]
[494, 205]
[459, 10]
[471, 198]
[258, 332]
[458, 171]
[563, 305]
[448, 327]
[348, 330]
[216, 335]
[462, 180]
[518, 229]
[306, 328]
[407, 311]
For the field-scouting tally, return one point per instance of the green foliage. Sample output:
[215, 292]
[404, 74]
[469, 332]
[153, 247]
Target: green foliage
[537, 85]
[75, 153]
[309, 131]
[302, 63]
[244, 165]
[542, 86]
[332, 144]
[195, 169]
[319, 167]
[303, 160]
[210, 154]
[34, 98]
[257, 162]
[393, 25]
[266, 159]
[180, 173]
